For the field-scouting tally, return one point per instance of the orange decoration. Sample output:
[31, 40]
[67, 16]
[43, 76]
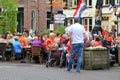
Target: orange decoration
[63, 4]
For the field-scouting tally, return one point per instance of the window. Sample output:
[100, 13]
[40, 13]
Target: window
[47, 1]
[106, 2]
[33, 20]
[88, 2]
[88, 22]
[48, 19]
[73, 3]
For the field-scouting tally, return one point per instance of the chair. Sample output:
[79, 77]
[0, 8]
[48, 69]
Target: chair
[9, 52]
[2, 50]
[36, 51]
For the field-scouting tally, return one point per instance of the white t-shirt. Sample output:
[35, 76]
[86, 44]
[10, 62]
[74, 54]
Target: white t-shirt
[77, 33]
[67, 29]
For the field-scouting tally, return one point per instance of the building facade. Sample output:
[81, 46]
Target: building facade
[36, 15]
[31, 15]
[88, 16]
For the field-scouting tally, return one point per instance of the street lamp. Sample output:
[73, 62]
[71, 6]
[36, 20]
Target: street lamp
[51, 16]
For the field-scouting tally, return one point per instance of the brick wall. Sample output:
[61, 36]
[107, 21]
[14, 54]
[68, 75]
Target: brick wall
[33, 5]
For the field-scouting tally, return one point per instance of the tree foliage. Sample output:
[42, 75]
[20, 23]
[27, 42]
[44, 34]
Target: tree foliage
[8, 21]
[60, 29]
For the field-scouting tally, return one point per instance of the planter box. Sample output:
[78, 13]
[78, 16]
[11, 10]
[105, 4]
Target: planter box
[95, 59]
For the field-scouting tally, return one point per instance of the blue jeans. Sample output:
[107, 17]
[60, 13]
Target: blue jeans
[76, 49]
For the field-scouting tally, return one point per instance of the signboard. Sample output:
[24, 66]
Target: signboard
[59, 18]
[51, 27]
[59, 21]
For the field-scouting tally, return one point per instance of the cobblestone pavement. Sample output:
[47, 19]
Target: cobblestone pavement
[24, 71]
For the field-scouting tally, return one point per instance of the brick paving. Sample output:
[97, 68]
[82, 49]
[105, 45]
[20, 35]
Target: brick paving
[25, 71]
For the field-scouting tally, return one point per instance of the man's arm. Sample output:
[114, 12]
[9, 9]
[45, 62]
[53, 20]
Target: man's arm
[69, 35]
[85, 36]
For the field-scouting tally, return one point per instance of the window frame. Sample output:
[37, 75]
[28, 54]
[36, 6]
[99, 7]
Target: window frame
[87, 2]
[88, 19]
[33, 19]
[72, 3]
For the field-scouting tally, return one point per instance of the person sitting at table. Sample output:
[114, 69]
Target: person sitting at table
[24, 43]
[36, 42]
[112, 46]
[64, 44]
[44, 50]
[17, 48]
[27, 36]
[51, 44]
[9, 47]
[97, 42]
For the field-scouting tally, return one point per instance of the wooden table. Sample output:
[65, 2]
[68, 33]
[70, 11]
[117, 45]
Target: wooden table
[27, 57]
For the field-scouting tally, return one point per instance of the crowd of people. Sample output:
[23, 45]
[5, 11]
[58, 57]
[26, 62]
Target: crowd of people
[73, 41]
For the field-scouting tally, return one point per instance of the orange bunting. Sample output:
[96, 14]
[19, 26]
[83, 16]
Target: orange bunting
[63, 4]
[53, 4]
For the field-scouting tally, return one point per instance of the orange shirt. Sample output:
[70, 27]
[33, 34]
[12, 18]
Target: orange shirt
[23, 41]
[49, 44]
[104, 32]
[110, 39]
[96, 43]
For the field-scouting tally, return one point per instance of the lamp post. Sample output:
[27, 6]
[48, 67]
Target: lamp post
[51, 15]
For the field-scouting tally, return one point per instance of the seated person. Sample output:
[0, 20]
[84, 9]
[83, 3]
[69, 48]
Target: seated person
[112, 46]
[97, 42]
[51, 44]
[17, 48]
[36, 42]
[24, 43]
[9, 47]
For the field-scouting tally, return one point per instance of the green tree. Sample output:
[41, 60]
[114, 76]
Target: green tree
[60, 29]
[8, 21]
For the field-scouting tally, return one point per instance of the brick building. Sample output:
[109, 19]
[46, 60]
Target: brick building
[35, 14]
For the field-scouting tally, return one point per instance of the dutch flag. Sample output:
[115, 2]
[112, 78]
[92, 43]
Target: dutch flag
[110, 7]
[81, 7]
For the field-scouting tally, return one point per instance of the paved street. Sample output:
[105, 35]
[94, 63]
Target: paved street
[23, 71]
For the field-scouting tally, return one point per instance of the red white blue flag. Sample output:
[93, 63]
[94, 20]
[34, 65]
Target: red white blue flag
[110, 7]
[80, 8]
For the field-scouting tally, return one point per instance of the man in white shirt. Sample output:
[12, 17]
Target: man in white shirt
[77, 34]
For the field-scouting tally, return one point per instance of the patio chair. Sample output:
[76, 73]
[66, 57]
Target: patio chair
[9, 52]
[2, 50]
[36, 52]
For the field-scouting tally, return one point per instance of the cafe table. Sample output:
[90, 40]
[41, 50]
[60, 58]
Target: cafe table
[28, 53]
